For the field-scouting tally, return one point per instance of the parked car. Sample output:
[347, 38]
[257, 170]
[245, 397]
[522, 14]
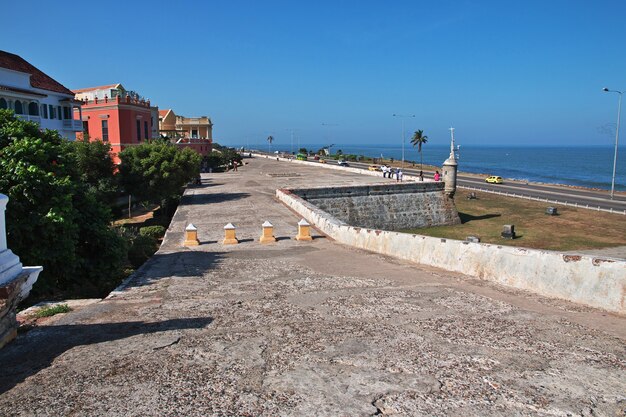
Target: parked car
[322, 161]
[374, 168]
[494, 179]
[343, 163]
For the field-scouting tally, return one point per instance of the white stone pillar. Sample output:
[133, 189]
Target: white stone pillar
[3, 230]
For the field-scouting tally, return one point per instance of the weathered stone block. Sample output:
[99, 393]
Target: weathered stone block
[552, 211]
[388, 207]
[508, 231]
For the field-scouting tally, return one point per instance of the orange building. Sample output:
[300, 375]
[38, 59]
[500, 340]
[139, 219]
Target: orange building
[192, 132]
[115, 116]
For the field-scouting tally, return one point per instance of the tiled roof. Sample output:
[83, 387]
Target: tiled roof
[38, 79]
[163, 112]
[102, 87]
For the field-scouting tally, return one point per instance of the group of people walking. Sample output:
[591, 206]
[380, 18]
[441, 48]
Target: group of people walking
[397, 173]
[389, 172]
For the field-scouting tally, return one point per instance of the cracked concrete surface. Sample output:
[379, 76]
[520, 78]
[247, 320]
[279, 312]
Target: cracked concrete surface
[309, 328]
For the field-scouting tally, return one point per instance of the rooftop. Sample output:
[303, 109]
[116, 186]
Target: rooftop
[102, 87]
[38, 79]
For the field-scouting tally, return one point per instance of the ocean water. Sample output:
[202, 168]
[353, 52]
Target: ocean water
[590, 167]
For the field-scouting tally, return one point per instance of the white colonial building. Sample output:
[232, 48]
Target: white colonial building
[35, 96]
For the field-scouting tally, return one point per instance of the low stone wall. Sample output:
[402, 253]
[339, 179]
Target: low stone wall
[332, 164]
[389, 206]
[597, 282]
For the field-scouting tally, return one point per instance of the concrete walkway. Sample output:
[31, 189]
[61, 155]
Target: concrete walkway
[309, 329]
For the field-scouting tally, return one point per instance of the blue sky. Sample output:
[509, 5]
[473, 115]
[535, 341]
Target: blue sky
[500, 72]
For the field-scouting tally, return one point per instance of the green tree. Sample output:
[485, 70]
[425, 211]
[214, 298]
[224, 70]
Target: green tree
[419, 139]
[96, 168]
[228, 156]
[270, 139]
[213, 160]
[53, 219]
[157, 171]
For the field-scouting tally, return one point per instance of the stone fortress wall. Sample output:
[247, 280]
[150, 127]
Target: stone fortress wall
[594, 281]
[392, 206]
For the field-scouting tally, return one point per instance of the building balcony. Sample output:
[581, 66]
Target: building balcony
[74, 125]
[30, 118]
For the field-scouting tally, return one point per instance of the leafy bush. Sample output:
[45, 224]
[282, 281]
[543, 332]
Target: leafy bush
[54, 218]
[140, 247]
[228, 155]
[52, 310]
[157, 171]
[213, 160]
[155, 232]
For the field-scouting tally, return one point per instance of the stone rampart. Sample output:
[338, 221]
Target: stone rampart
[389, 206]
[594, 281]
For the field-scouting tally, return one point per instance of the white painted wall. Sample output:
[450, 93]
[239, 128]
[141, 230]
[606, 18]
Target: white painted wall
[22, 80]
[594, 281]
[14, 78]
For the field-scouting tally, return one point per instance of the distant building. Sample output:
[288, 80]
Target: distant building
[193, 132]
[117, 116]
[195, 127]
[167, 124]
[154, 120]
[35, 96]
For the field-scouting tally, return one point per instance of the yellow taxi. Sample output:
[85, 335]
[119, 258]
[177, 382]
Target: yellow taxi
[494, 179]
[374, 167]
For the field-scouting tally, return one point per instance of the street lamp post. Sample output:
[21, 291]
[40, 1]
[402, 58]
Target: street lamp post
[619, 110]
[402, 116]
[291, 130]
[327, 135]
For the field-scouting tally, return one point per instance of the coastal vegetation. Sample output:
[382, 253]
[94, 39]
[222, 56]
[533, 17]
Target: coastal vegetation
[63, 200]
[418, 139]
[221, 158]
[52, 310]
[573, 229]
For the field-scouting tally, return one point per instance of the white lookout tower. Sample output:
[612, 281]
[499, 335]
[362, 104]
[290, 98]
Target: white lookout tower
[449, 169]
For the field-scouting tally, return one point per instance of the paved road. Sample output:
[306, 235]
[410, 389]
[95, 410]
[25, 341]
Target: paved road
[560, 194]
[309, 329]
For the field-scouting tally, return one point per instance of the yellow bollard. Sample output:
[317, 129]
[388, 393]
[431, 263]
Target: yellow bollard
[304, 230]
[191, 236]
[268, 233]
[229, 235]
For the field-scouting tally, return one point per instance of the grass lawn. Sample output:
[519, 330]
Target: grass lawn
[140, 216]
[572, 229]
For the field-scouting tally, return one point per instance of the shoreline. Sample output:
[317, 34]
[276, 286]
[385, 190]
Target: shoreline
[572, 172]
[427, 168]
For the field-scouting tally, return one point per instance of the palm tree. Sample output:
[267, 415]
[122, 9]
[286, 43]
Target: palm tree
[418, 139]
[270, 139]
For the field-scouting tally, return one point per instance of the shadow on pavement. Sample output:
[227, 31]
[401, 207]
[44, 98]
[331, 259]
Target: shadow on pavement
[37, 349]
[189, 199]
[175, 264]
